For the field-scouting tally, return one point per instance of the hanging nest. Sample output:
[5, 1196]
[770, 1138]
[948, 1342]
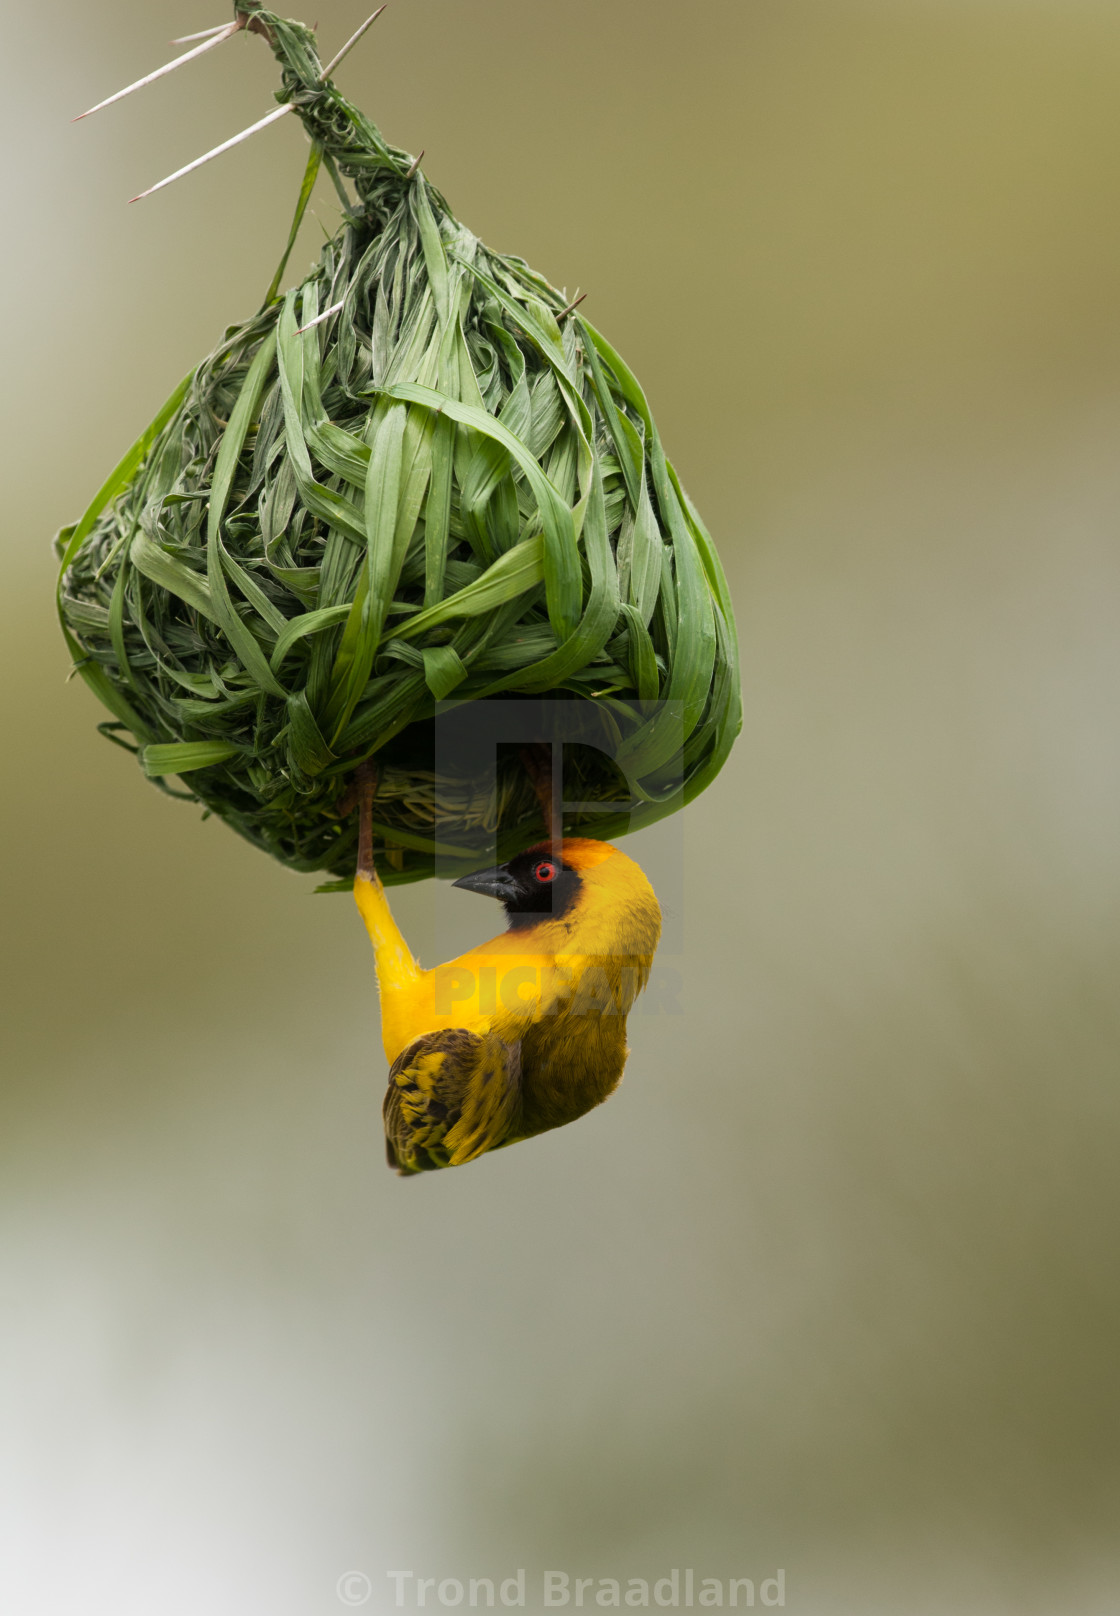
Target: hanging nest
[417, 478]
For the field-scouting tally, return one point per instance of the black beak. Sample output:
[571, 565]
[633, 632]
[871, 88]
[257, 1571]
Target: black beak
[496, 883]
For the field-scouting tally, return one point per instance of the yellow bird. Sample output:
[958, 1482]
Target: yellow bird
[526, 1031]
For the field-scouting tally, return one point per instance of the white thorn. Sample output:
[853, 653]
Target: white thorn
[168, 67]
[349, 45]
[319, 318]
[262, 123]
[574, 304]
[203, 33]
[235, 140]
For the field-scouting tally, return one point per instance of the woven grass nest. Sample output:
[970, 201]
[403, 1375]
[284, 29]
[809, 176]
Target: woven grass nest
[419, 477]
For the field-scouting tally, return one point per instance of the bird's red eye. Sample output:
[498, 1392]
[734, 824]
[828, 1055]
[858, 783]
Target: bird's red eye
[545, 871]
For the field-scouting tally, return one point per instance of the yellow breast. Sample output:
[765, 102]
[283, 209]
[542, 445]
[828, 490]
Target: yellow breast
[588, 963]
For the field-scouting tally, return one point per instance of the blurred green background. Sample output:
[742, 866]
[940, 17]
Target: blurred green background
[831, 1284]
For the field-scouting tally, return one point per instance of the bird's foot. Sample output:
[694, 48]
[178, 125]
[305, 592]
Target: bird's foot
[365, 784]
[536, 759]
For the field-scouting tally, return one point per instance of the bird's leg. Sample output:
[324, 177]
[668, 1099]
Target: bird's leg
[392, 955]
[366, 782]
[537, 762]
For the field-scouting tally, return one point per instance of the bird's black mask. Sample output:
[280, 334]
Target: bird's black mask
[532, 887]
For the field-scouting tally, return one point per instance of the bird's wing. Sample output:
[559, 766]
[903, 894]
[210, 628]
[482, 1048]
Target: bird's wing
[452, 1096]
